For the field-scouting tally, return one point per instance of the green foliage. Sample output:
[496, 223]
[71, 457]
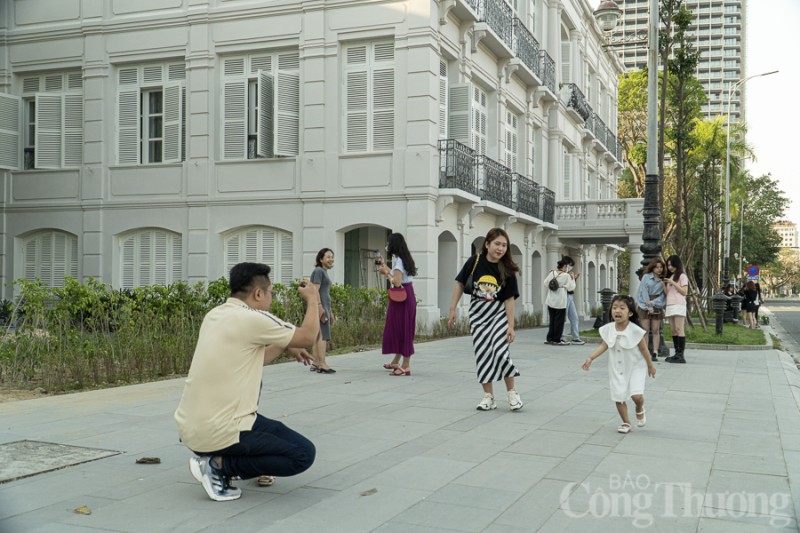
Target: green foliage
[731, 334]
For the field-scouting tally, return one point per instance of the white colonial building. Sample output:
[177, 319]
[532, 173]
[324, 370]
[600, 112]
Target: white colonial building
[149, 141]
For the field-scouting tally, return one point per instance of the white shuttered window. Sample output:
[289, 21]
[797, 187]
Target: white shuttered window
[479, 122]
[511, 141]
[258, 244]
[567, 177]
[151, 121]
[369, 97]
[566, 50]
[261, 105]
[10, 114]
[151, 257]
[443, 99]
[49, 256]
[468, 116]
[52, 112]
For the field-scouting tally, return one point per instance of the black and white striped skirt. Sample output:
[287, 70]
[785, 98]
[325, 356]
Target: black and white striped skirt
[489, 330]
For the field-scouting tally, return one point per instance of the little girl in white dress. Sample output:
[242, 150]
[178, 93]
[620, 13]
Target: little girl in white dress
[629, 361]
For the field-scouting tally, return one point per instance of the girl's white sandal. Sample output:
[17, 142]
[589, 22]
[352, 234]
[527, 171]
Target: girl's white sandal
[643, 421]
[624, 428]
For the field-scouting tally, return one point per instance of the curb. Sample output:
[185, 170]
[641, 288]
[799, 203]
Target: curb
[709, 347]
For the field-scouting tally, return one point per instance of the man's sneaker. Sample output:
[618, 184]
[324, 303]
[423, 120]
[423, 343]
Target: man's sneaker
[580, 342]
[514, 400]
[217, 486]
[487, 403]
[196, 467]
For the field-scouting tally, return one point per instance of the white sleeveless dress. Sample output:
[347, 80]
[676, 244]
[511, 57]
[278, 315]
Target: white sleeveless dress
[627, 368]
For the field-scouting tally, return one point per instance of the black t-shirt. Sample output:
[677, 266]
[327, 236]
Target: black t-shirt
[487, 281]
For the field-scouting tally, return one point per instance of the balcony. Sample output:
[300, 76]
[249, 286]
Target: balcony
[600, 221]
[457, 167]
[463, 10]
[547, 206]
[577, 107]
[495, 28]
[619, 152]
[589, 126]
[526, 195]
[547, 71]
[526, 48]
[494, 181]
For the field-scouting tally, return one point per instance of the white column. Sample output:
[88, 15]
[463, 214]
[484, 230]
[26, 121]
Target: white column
[553, 248]
[636, 260]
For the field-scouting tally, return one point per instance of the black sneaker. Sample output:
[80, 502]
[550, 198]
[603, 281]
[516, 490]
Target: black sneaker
[676, 359]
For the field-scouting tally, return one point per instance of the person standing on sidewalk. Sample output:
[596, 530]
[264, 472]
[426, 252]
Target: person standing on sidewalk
[572, 312]
[559, 282]
[650, 301]
[217, 416]
[320, 279]
[760, 303]
[750, 303]
[676, 285]
[493, 275]
[401, 317]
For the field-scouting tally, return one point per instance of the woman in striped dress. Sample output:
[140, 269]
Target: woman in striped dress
[491, 315]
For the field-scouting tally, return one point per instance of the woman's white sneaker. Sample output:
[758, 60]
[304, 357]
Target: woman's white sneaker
[487, 403]
[514, 400]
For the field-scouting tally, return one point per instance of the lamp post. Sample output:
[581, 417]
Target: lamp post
[726, 266]
[651, 234]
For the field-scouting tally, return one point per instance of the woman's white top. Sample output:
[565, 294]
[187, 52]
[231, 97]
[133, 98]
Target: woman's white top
[627, 368]
[558, 299]
[397, 264]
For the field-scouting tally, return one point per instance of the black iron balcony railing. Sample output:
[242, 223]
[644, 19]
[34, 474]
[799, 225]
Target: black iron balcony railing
[474, 4]
[500, 18]
[526, 47]
[526, 195]
[494, 181]
[612, 144]
[589, 122]
[578, 102]
[599, 128]
[548, 205]
[619, 151]
[547, 69]
[457, 166]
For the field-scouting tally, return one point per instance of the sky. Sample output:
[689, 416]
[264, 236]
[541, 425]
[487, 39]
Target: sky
[770, 110]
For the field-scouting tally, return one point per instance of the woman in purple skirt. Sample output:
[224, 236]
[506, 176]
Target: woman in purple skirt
[401, 317]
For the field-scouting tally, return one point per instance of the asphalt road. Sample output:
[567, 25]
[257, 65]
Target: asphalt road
[787, 312]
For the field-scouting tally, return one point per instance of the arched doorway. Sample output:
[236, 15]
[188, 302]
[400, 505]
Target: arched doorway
[516, 255]
[448, 268]
[603, 279]
[612, 281]
[360, 246]
[592, 282]
[536, 281]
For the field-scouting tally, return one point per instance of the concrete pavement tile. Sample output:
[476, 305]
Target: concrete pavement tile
[752, 444]
[771, 465]
[537, 505]
[549, 443]
[430, 415]
[576, 467]
[509, 471]
[463, 517]
[44, 517]
[421, 473]
[336, 447]
[468, 448]
[65, 528]
[401, 527]
[730, 525]
[654, 469]
[387, 428]
[644, 443]
[744, 492]
[470, 422]
[577, 424]
[456, 494]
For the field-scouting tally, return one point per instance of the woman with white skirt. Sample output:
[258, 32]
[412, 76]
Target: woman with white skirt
[676, 286]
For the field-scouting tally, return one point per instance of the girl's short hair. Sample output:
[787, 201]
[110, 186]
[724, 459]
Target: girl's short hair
[630, 303]
[652, 266]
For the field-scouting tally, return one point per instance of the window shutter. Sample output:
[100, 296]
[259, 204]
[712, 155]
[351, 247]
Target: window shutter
[565, 62]
[251, 246]
[442, 100]
[287, 107]
[49, 128]
[10, 114]
[73, 130]
[59, 259]
[145, 260]
[177, 258]
[161, 258]
[128, 259]
[173, 122]
[511, 141]
[46, 258]
[479, 122]
[72, 268]
[356, 111]
[30, 259]
[461, 113]
[567, 177]
[234, 119]
[287, 263]
[383, 98]
[268, 251]
[128, 120]
[264, 129]
[231, 253]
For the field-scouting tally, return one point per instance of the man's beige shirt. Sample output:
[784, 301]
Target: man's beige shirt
[220, 397]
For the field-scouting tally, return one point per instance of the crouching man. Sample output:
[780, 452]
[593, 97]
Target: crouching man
[217, 416]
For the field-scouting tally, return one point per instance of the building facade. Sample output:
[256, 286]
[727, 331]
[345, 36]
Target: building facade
[150, 141]
[788, 233]
[719, 32]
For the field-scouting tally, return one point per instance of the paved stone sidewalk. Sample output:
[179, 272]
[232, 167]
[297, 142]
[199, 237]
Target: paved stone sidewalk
[725, 428]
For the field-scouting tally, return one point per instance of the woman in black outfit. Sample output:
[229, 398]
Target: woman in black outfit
[750, 303]
[760, 301]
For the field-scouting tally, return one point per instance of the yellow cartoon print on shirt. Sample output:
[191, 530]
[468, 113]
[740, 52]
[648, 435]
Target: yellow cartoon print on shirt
[487, 288]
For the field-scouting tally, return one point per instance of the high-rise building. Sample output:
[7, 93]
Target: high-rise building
[788, 232]
[719, 31]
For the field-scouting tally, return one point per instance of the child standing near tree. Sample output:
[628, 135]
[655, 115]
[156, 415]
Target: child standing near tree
[629, 362]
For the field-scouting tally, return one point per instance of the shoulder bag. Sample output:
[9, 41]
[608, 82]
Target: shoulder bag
[398, 294]
[470, 284]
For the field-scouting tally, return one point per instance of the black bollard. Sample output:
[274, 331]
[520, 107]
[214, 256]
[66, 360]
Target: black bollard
[606, 295]
[720, 302]
[736, 302]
